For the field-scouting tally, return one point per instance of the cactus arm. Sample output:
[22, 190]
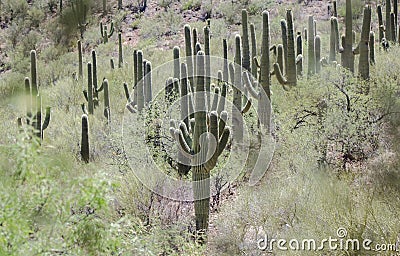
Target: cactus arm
[246, 107]
[185, 133]
[182, 145]
[101, 30]
[85, 139]
[223, 141]
[126, 90]
[214, 106]
[111, 30]
[280, 77]
[249, 85]
[85, 94]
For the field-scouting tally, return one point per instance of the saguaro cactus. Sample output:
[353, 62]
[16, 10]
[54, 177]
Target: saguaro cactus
[347, 48]
[189, 57]
[198, 155]
[237, 123]
[310, 45]
[80, 61]
[380, 23]
[334, 39]
[372, 47]
[245, 41]
[363, 46]
[387, 14]
[85, 139]
[107, 109]
[291, 73]
[105, 34]
[120, 54]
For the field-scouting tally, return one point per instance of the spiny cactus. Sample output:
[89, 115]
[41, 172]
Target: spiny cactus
[291, 74]
[299, 54]
[189, 57]
[80, 61]
[393, 27]
[372, 47]
[284, 35]
[363, 47]
[177, 66]
[226, 68]
[105, 34]
[311, 48]
[89, 93]
[237, 124]
[245, 41]
[107, 109]
[79, 10]
[139, 90]
[317, 45]
[334, 39]
[94, 80]
[253, 50]
[208, 61]
[85, 139]
[35, 96]
[148, 90]
[265, 75]
[380, 23]
[346, 50]
[190, 147]
[388, 23]
[120, 54]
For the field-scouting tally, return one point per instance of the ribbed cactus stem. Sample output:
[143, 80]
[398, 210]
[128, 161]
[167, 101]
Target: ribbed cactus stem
[372, 47]
[291, 57]
[94, 80]
[285, 45]
[237, 124]
[253, 51]
[80, 60]
[364, 60]
[245, 41]
[299, 55]
[140, 85]
[90, 89]
[265, 69]
[388, 23]
[184, 90]
[120, 54]
[380, 23]
[85, 139]
[348, 56]
[176, 53]
[226, 68]
[334, 8]
[310, 45]
[279, 56]
[393, 27]
[332, 41]
[34, 73]
[189, 57]
[148, 83]
[207, 63]
[317, 45]
[28, 99]
[107, 109]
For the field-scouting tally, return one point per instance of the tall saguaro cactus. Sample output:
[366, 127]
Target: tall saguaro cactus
[197, 148]
[363, 47]
[347, 48]
[245, 41]
[85, 139]
[237, 124]
[310, 45]
[80, 61]
[387, 14]
[291, 73]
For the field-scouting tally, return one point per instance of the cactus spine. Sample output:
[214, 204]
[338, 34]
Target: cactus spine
[85, 139]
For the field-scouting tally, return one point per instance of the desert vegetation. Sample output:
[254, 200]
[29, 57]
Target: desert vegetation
[137, 127]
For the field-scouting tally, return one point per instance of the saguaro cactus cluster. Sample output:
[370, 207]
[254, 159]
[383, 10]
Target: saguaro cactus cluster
[190, 147]
[105, 34]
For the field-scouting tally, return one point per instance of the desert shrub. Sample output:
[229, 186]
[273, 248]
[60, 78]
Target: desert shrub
[191, 5]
